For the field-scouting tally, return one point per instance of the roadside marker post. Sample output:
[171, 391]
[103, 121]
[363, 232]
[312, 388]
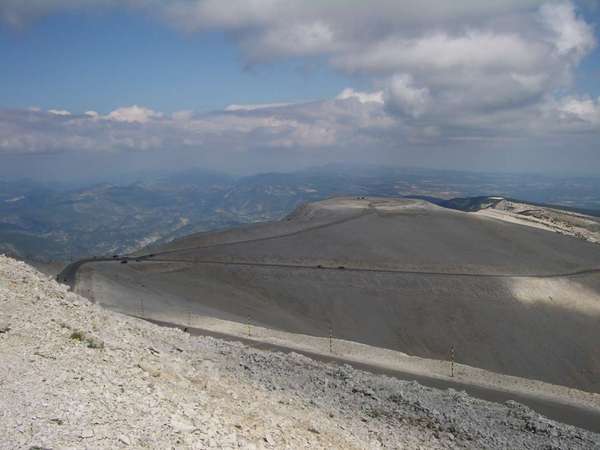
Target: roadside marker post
[330, 338]
[248, 326]
[452, 355]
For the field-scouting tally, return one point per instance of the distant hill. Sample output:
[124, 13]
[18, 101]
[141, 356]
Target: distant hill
[479, 203]
[59, 222]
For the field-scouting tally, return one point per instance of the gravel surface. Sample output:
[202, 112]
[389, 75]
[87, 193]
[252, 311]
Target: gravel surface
[74, 375]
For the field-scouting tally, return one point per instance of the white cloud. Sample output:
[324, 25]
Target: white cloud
[133, 114]
[59, 112]
[580, 109]
[253, 107]
[464, 70]
[353, 120]
[362, 97]
[298, 39]
[464, 62]
[479, 50]
[404, 97]
[373, 15]
[572, 34]
[314, 125]
[233, 14]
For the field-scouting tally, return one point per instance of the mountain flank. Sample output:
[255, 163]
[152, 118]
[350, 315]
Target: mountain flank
[400, 274]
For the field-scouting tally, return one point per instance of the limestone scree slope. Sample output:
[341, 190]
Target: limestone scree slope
[74, 375]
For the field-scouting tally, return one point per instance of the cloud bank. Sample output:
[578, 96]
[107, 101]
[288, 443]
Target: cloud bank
[369, 120]
[441, 72]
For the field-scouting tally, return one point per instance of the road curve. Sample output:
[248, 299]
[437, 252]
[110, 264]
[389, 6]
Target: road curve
[69, 273]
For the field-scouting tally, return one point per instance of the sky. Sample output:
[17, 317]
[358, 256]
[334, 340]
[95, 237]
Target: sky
[97, 87]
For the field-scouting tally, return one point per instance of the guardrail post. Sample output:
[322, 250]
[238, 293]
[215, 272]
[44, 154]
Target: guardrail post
[330, 338]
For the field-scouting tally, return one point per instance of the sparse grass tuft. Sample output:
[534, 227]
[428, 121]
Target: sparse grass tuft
[91, 341]
[78, 335]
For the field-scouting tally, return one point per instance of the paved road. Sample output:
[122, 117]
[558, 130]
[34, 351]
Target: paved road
[67, 276]
[377, 270]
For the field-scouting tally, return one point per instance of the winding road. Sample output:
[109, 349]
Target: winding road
[68, 274]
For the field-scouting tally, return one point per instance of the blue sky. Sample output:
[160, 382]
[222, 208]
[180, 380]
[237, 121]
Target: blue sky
[588, 74]
[81, 61]
[280, 84]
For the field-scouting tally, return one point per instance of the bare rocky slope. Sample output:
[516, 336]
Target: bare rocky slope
[74, 375]
[570, 223]
[399, 274]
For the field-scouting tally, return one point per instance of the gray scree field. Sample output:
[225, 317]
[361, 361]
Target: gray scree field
[400, 274]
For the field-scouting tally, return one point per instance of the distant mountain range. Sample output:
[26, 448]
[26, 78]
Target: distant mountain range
[46, 221]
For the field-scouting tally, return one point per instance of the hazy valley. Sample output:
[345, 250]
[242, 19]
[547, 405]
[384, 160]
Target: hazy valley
[50, 221]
